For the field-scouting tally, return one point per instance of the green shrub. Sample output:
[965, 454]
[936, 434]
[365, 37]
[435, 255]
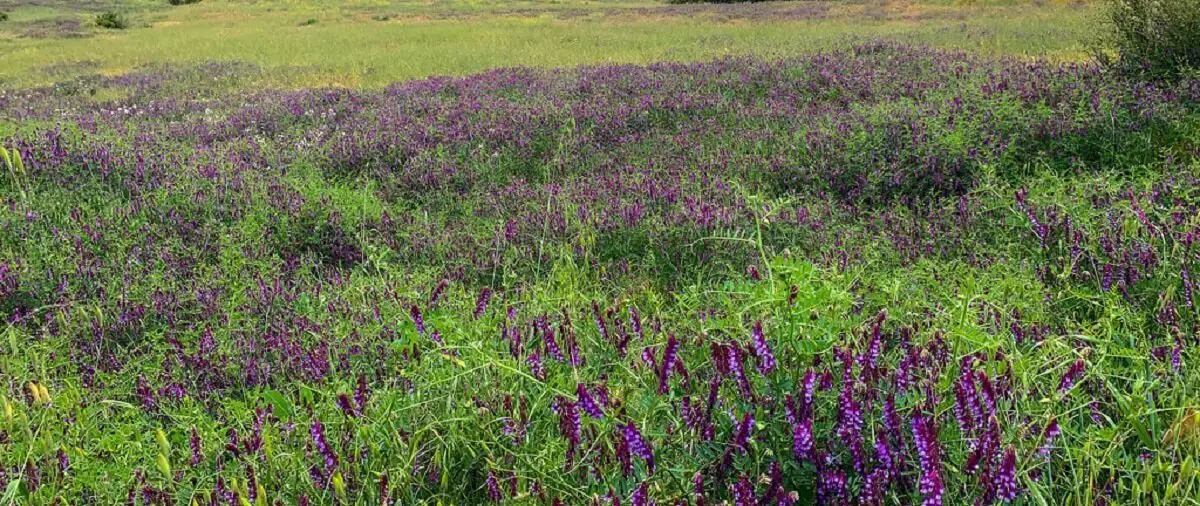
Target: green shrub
[3, 16]
[308, 22]
[183, 2]
[1156, 37]
[112, 20]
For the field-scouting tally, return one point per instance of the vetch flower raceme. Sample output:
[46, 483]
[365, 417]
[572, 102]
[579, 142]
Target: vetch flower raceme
[925, 439]
[482, 302]
[766, 359]
[637, 444]
[668, 363]
[586, 402]
[1071, 376]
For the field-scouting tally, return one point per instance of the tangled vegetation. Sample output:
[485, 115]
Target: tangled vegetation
[882, 274]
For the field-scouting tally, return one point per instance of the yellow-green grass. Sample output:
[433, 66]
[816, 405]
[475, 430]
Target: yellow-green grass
[370, 44]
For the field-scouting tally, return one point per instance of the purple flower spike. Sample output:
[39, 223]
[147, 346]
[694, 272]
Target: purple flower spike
[1052, 431]
[437, 292]
[588, 404]
[668, 362]
[493, 488]
[481, 304]
[637, 444]
[641, 496]
[928, 449]
[1006, 478]
[415, 314]
[802, 440]
[766, 359]
[194, 442]
[1072, 375]
[322, 446]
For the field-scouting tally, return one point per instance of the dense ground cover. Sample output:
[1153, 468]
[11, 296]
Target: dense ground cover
[873, 275]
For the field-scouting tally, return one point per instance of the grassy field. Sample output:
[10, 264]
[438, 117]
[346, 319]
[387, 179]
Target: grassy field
[592, 253]
[372, 44]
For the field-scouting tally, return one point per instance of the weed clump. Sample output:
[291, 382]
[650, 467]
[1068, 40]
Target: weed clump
[1160, 38]
[112, 20]
[3, 16]
[309, 22]
[183, 2]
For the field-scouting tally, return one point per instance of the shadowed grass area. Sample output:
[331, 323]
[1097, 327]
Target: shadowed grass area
[372, 44]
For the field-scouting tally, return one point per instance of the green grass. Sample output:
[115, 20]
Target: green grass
[346, 48]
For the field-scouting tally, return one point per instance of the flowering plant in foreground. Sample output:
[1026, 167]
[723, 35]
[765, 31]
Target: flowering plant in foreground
[880, 274]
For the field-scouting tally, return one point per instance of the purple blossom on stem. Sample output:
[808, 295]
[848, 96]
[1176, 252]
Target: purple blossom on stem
[194, 442]
[481, 303]
[323, 448]
[1006, 478]
[802, 440]
[437, 292]
[535, 365]
[347, 408]
[741, 438]
[361, 394]
[600, 324]
[1071, 376]
[586, 402]
[743, 493]
[635, 320]
[762, 351]
[415, 314]
[637, 444]
[552, 345]
[493, 488]
[733, 354]
[928, 450]
[1051, 431]
[569, 426]
[668, 362]
[641, 495]
[385, 497]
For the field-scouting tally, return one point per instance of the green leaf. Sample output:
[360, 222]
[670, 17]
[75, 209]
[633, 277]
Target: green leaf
[280, 404]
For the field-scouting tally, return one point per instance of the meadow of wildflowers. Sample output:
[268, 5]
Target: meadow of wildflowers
[878, 274]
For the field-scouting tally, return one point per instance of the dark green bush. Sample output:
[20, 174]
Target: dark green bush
[112, 20]
[3, 16]
[308, 22]
[183, 2]
[1155, 37]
